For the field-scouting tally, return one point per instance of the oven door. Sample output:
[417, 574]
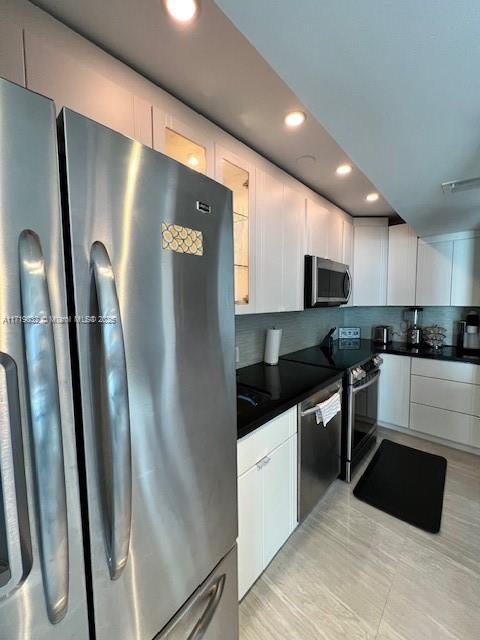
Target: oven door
[362, 416]
[327, 283]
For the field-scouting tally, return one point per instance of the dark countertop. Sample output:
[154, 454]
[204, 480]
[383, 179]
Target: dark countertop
[447, 352]
[299, 374]
[348, 353]
[281, 387]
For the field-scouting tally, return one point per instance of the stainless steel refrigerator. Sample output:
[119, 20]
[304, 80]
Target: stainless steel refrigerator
[149, 281]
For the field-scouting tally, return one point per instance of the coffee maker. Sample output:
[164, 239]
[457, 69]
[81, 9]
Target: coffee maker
[413, 317]
[468, 335]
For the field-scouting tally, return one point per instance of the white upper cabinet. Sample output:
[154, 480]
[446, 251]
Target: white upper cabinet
[466, 272]
[269, 242]
[11, 52]
[370, 252]
[185, 140]
[335, 235]
[402, 265]
[293, 249]
[434, 273]
[318, 219]
[238, 175]
[69, 83]
[142, 121]
[279, 239]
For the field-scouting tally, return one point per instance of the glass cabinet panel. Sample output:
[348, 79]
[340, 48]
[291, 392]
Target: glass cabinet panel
[186, 151]
[237, 180]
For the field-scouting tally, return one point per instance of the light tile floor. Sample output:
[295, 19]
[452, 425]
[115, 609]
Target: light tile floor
[351, 571]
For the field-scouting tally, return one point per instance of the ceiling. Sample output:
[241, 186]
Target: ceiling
[396, 83]
[213, 68]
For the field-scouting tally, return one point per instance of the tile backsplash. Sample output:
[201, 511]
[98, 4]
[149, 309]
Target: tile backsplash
[305, 328]
[300, 329]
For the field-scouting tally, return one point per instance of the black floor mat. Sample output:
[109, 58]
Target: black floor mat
[406, 483]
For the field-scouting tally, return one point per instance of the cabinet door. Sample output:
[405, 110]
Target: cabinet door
[434, 273]
[370, 249]
[142, 121]
[318, 216]
[183, 141]
[394, 390]
[74, 85]
[250, 529]
[293, 249]
[402, 265]
[269, 242]
[11, 52]
[466, 273]
[335, 235]
[239, 176]
[279, 496]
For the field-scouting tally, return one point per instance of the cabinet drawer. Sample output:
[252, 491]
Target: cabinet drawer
[456, 371]
[262, 441]
[446, 394]
[450, 425]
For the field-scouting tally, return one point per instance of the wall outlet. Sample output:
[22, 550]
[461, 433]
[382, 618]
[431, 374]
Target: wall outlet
[348, 333]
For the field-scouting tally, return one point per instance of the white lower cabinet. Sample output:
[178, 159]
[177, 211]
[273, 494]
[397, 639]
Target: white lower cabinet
[449, 425]
[267, 495]
[279, 494]
[394, 390]
[250, 529]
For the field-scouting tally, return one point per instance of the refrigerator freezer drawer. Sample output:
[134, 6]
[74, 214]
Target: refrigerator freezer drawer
[212, 611]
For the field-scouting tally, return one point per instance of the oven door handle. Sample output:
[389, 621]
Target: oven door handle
[367, 384]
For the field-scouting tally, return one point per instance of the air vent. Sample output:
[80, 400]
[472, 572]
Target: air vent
[450, 188]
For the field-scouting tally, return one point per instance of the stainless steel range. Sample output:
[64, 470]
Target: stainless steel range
[361, 413]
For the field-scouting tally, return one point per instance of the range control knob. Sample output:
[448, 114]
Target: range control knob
[377, 360]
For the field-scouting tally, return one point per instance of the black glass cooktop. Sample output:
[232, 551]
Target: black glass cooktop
[343, 355]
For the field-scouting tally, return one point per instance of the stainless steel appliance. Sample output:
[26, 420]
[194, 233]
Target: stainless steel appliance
[413, 317]
[362, 413]
[327, 283]
[319, 450]
[148, 247]
[382, 334]
[42, 576]
[468, 337]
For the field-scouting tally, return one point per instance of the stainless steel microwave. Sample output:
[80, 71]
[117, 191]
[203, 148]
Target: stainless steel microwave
[327, 283]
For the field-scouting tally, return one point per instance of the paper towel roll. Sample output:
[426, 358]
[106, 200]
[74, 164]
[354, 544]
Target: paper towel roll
[272, 346]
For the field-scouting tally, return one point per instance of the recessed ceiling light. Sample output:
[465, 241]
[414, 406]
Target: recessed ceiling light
[295, 118]
[344, 169]
[192, 160]
[372, 197]
[182, 10]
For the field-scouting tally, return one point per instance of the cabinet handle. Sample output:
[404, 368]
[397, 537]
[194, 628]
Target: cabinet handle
[261, 463]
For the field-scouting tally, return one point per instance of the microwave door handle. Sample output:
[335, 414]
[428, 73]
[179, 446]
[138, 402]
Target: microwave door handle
[46, 426]
[314, 291]
[117, 518]
[347, 284]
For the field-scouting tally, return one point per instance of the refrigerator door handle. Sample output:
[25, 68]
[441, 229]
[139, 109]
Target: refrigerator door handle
[16, 554]
[117, 517]
[214, 597]
[46, 425]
